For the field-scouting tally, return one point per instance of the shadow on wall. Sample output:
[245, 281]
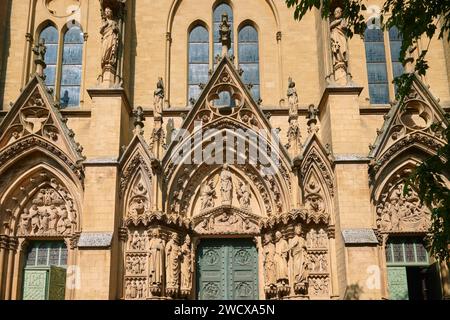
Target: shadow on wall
[5, 42]
[353, 292]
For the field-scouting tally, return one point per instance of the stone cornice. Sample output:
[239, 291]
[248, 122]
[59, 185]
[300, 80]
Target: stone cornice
[111, 92]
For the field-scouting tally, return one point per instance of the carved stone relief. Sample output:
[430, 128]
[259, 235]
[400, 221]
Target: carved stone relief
[50, 211]
[155, 259]
[399, 212]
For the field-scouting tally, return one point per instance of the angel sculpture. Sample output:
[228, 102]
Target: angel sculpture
[243, 195]
[208, 194]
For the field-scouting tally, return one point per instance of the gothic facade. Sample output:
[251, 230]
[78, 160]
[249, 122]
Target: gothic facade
[201, 149]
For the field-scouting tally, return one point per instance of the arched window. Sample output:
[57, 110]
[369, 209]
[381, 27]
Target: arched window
[395, 42]
[198, 60]
[376, 64]
[50, 36]
[217, 16]
[71, 67]
[248, 54]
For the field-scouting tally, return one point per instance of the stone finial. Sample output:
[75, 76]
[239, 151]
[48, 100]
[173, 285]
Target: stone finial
[39, 51]
[139, 118]
[225, 34]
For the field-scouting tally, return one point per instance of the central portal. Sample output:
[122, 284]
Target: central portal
[227, 269]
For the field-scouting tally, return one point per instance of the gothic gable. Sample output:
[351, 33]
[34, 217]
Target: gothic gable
[34, 121]
[409, 127]
[317, 179]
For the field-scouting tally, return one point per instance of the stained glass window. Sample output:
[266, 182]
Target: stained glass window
[217, 16]
[46, 254]
[395, 42]
[198, 60]
[71, 67]
[50, 36]
[376, 64]
[249, 58]
[406, 251]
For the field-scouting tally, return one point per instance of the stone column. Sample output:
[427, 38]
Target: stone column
[19, 263]
[12, 247]
[3, 247]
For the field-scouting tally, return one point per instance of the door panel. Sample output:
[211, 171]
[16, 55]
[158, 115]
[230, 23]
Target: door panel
[227, 269]
[398, 283]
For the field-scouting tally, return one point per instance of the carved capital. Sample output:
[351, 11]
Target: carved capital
[12, 244]
[4, 242]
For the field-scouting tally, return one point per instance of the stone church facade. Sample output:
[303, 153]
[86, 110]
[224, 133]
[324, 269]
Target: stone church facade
[201, 149]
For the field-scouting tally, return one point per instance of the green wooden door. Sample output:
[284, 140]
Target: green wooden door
[35, 284]
[227, 270]
[398, 283]
[44, 283]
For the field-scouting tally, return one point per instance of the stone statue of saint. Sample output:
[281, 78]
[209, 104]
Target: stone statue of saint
[299, 254]
[292, 98]
[225, 34]
[243, 195]
[186, 265]
[269, 263]
[281, 255]
[339, 43]
[156, 258]
[226, 185]
[110, 39]
[208, 194]
[158, 96]
[172, 262]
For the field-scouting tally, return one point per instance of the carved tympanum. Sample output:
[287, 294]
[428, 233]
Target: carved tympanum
[399, 212]
[50, 211]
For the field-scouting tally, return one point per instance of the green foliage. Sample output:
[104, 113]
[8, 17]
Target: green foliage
[414, 19]
[433, 192]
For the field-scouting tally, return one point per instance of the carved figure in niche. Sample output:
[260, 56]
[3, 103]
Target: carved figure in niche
[243, 195]
[270, 275]
[312, 239]
[136, 265]
[314, 200]
[323, 263]
[136, 241]
[339, 41]
[319, 286]
[156, 258]
[208, 195]
[281, 256]
[127, 290]
[186, 265]
[110, 40]
[322, 239]
[139, 201]
[402, 212]
[292, 98]
[298, 253]
[158, 98]
[173, 253]
[226, 185]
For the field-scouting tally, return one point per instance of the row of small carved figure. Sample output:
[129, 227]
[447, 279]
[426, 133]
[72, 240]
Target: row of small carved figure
[50, 212]
[167, 265]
